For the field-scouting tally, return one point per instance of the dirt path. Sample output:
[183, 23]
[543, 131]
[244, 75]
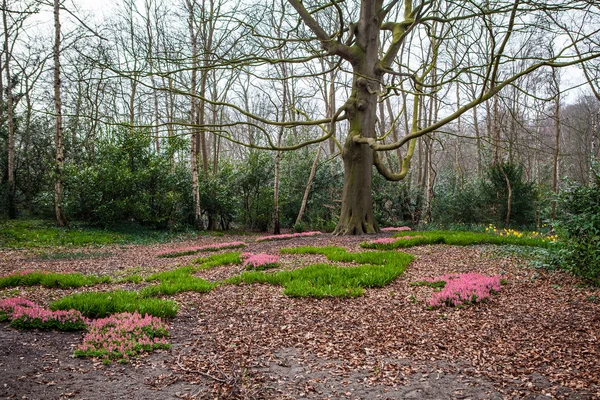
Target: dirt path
[537, 339]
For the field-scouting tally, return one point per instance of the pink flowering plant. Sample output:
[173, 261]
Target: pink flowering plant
[396, 229]
[260, 261]
[186, 251]
[25, 314]
[122, 336]
[287, 236]
[461, 289]
[387, 243]
[7, 307]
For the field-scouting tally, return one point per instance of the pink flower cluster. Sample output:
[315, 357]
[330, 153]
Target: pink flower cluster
[184, 251]
[25, 272]
[25, 314]
[384, 241]
[464, 288]
[123, 335]
[287, 236]
[259, 261]
[396, 229]
[7, 306]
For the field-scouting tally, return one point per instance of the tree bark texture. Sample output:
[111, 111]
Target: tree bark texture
[198, 223]
[61, 220]
[357, 216]
[12, 210]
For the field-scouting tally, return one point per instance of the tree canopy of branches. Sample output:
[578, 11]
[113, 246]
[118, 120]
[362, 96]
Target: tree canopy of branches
[416, 51]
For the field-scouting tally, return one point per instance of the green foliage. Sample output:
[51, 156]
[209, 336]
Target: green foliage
[299, 227]
[51, 280]
[396, 203]
[126, 181]
[102, 304]
[580, 228]
[255, 186]
[219, 195]
[456, 239]
[475, 202]
[376, 269]
[458, 202]
[496, 195]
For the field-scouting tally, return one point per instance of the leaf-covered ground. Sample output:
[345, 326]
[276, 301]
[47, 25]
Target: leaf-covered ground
[538, 338]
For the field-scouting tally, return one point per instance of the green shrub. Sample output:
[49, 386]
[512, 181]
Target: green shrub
[579, 225]
[523, 203]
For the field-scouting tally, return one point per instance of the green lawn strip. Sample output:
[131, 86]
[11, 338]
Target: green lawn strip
[377, 269]
[456, 239]
[51, 280]
[182, 279]
[102, 304]
[29, 234]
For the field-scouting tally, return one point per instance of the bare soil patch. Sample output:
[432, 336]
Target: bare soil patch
[537, 339]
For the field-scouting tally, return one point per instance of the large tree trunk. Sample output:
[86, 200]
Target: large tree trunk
[357, 201]
[357, 216]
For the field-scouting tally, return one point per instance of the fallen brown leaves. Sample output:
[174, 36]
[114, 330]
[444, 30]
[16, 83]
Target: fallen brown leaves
[538, 336]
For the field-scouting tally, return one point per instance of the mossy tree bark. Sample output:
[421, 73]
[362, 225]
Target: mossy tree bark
[357, 215]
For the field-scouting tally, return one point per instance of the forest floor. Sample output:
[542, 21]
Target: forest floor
[536, 339]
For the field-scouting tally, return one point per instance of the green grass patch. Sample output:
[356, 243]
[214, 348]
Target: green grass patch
[102, 304]
[376, 269]
[133, 278]
[456, 239]
[28, 234]
[181, 279]
[51, 280]
[436, 284]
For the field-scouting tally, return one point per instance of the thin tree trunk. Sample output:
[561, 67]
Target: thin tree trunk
[478, 138]
[198, 223]
[509, 197]
[61, 220]
[556, 143]
[313, 170]
[12, 210]
[331, 110]
[276, 224]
